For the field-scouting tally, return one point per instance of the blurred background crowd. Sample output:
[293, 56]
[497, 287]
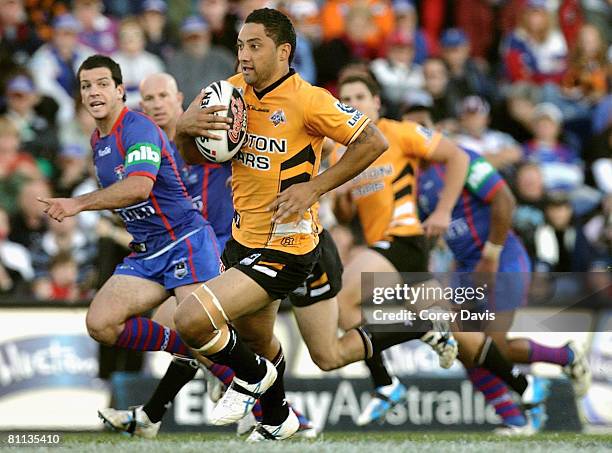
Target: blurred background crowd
[524, 82]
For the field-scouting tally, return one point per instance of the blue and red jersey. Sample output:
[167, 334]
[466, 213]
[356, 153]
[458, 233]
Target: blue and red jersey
[471, 216]
[209, 187]
[137, 146]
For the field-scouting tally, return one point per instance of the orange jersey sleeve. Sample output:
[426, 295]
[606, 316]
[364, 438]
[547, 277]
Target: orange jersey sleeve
[416, 140]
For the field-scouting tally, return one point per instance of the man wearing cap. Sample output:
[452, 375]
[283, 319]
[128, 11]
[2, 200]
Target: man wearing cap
[466, 78]
[397, 73]
[160, 39]
[198, 63]
[54, 65]
[38, 136]
[500, 149]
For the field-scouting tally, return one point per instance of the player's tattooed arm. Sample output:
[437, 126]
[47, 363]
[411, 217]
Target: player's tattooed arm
[127, 192]
[364, 150]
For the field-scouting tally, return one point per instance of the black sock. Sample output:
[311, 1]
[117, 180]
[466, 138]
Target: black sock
[378, 371]
[241, 359]
[179, 373]
[273, 404]
[394, 334]
[492, 359]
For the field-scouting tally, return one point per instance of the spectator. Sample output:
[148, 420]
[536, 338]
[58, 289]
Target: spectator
[444, 102]
[303, 60]
[62, 283]
[586, 77]
[530, 196]
[64, 236]
[397, 73]
[38, 136]
[598, 233]
[560, 164]
[306, 18]
[97, 31]
[161, 40]
[406, 21]
[535, 51]
[334, 20]
[349, 47]
[15, 262]
[54, 65]
[17, 38]
[514, 114]
[15, 167]
[198, 63]
[28, 224]
[73, 166]
[599, 13]
[223, 23]
[500, 149]
[556, 240]
[77, 132]
[136, 63]
[466, 78]
[598, 160]
[478, 20]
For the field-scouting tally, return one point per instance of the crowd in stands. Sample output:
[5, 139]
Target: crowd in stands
[524, 82]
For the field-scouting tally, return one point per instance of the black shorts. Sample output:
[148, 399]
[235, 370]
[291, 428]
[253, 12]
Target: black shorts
[407, 254]
[325, 280]
[278, 273]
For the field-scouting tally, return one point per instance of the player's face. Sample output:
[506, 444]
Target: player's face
[261, 61]
[357, 95]
[161, 101]
[101, 97]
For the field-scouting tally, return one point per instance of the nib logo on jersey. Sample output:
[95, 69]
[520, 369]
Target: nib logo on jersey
[47, 361]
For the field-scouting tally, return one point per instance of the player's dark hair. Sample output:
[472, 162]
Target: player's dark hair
[278, 27]
[102, 61]
[368, 81]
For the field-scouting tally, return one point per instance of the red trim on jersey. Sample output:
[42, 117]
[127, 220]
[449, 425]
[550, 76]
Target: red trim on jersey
[162, 216]
[193, 271]
[470, 218]
[205, 192]
[175, 170]
[498, 185]
[144, 173]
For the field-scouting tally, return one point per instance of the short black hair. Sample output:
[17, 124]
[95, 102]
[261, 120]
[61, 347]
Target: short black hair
[369, 82]
[103, 61]
[277, 25]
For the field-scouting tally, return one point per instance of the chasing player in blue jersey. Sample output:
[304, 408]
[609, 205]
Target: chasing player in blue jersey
[174, 247]
[481, 240]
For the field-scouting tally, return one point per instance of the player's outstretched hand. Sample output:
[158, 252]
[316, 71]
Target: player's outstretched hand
[436, 224]
[293, 202]
[197, 122]
[60, 208]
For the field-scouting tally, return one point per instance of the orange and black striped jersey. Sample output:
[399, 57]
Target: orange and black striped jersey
[385, 192]
[287, 123]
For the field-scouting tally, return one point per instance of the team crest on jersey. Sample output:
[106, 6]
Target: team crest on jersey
[180, 270]
[278, 118]
[345, 108]
[119, 172]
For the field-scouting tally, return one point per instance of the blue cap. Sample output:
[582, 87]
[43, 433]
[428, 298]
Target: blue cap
[538, 4]
[194, 24]
[20, 84]
[155, 5]
[66, 22]
[454, 37]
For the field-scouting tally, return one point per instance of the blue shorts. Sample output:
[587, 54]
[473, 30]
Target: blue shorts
[512, 280]
[194, 259]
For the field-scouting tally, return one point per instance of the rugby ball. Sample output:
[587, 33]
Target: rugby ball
[224, 93]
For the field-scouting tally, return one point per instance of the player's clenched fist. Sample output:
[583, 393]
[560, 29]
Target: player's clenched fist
[59, 208]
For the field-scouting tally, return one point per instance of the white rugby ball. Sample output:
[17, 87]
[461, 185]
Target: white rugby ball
[224, 93]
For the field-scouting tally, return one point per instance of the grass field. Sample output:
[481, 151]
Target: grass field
[334, 443]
